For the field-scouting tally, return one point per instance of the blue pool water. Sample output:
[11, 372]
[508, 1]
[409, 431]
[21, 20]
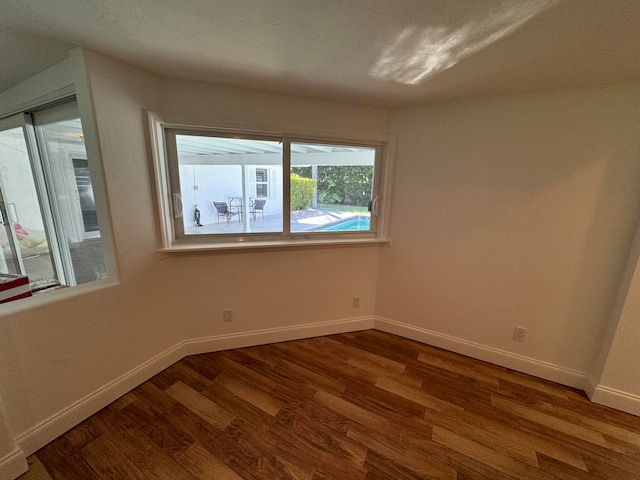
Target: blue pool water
[357, 223]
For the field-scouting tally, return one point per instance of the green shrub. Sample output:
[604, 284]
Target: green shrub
[341, 184]
[302, 192]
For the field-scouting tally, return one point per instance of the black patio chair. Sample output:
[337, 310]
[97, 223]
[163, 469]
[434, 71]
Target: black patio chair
[223, 210]
[258, 206]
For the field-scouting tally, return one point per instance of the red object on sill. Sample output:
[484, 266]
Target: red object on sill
[13, 287]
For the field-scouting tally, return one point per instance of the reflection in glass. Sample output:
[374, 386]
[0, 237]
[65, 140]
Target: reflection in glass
[24, 226]
[67, 158]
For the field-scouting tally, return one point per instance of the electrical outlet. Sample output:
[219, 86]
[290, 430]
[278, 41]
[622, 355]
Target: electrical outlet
[519, 334]
[226, 316]
[356, 302]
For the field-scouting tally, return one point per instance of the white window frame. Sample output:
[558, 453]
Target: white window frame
[265, 183]
[173, 241]
[32, 121]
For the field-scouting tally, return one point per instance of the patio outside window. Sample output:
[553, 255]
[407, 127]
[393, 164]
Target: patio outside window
[225, 187]
[218, 184]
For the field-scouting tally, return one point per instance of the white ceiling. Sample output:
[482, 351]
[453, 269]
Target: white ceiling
[376, 52]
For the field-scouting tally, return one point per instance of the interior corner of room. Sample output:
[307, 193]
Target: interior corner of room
[510, 209]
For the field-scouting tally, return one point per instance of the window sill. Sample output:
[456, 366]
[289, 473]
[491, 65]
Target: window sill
[272, 244]
[53, 295]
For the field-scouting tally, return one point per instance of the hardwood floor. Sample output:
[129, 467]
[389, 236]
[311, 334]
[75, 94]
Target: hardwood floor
[364, 405]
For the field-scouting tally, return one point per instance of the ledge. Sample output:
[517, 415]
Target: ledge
[45, 297]
[271, 244]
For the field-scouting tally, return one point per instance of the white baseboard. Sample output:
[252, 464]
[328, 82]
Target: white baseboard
[610, 397]
[274, 335]
[51, 428]
[592, 385]
[67, 418]
[13, 465]
[531, 366]
[35, 438]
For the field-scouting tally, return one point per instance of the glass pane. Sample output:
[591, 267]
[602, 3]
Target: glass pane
[67, 158]
[230, 185]
[9, 262]
[23, 212]
[331, 187]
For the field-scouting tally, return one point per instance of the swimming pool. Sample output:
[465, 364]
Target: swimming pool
[361, 222]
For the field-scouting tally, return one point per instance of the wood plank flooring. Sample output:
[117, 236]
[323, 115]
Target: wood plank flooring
[357, 406]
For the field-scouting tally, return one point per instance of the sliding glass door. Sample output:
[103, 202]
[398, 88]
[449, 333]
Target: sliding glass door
[26, 247]
[66, 167]
[48, 221]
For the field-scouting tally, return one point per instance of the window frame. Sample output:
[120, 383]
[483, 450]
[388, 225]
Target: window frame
[33, 121]
[265, 183]
[170, 145]
[173, 239]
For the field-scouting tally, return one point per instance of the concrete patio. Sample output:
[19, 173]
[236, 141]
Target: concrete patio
[301, 220]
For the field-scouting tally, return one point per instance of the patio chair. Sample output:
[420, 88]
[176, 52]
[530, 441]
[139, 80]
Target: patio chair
[223, 210]
[235, 207]
[258, 206]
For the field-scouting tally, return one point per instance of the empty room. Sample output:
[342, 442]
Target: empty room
[249, 239]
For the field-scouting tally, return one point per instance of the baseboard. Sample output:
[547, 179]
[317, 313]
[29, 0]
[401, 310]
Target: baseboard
[592, 385]
[610, 397]
[530, 366]
[13, 465]
[51, 428]
[67, 418]
[275, 335]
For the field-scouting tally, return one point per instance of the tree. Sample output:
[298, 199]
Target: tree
[302, 192]
[341, 184]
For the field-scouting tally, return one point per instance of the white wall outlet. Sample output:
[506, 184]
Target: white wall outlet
[226, 315]
[356, 302]
[519, 334]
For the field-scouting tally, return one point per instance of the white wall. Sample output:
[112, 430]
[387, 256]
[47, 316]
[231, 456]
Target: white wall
[48, 85]
[73, 351]
[509, 211]
[72, 343]
[272, 289]
[619, 384]
[16, 404]
[514, 211]
[615, 378]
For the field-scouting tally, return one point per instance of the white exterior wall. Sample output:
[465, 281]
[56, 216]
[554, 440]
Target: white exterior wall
[219, 183]
[215, 183]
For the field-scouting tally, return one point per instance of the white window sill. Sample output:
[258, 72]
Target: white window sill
[47, 297]
[286, 244]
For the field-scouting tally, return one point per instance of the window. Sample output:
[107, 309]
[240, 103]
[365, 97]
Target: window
[225, 189]
[342, 180]
[48, 224]
[218, 181]
[261, 183]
